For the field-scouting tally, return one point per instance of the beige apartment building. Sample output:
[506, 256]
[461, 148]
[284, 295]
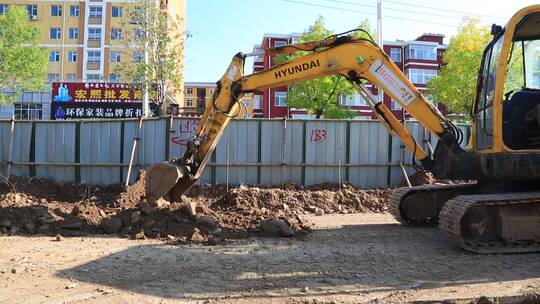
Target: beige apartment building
[85, 41]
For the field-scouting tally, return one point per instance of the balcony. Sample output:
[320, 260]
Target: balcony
[95, 20]
[92, 66]
[94, 43]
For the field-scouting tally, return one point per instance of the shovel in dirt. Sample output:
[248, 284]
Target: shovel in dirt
[168, 181]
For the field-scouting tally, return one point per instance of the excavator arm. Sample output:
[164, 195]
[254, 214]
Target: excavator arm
[356, 59]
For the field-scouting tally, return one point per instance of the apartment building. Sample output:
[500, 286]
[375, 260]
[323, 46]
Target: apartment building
[199, 94]
[85, 43]
[420, 59]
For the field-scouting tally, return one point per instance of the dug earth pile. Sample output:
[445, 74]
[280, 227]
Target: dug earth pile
[206, 214]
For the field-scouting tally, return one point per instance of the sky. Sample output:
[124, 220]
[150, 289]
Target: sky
[218, 29]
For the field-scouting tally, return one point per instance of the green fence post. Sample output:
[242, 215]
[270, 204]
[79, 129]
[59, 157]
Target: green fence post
[259, 151]
[122, 143]
[78, 151]
[32, 156]
[304, 128]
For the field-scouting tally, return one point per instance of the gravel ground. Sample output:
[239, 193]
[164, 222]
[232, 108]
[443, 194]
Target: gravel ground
[348, 258]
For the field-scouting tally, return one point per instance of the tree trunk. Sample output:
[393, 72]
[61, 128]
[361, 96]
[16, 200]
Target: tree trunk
[318, 113]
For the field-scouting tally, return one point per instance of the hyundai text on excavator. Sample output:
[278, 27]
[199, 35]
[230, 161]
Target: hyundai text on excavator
[500, 212]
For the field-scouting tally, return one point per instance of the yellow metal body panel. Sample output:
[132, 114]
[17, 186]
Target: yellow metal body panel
[498, 143]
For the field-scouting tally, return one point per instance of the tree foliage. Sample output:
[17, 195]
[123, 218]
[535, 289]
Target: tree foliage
[455, 85]
[148, 29]
[320, 97]
[23, 63]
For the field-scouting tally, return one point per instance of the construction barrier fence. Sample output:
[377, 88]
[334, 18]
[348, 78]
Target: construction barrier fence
[251, 151]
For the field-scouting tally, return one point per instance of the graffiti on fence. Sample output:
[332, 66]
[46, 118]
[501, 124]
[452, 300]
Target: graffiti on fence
[318, 136]
[185, 132]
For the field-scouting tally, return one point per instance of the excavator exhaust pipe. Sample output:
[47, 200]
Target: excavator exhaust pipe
[168, 181]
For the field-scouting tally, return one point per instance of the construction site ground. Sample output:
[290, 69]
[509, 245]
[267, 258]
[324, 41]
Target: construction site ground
[70, 243]
[348, 258]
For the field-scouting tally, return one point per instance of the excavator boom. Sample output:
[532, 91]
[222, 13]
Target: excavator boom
[356, 59]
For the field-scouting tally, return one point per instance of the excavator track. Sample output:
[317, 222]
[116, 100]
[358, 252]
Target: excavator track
[493, 223]
[420, 205]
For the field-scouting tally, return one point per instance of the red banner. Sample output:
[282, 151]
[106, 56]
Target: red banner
[95, 92]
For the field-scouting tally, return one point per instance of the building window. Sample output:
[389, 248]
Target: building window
[74, 10]
[53, 78]
[394, 105]
[54, 56]
[421, 76]
[73, 33]
[56, 10]
[95, 11]
[3, 8]
[71, 77]
[95, 77]
[28, 111]
[355, 100]
[32, 11]
[425, 52]
[137, 57]
[115, 56]
[114, 78]
[257, 101]
[395, 54]
[94, 57]
[55, 33]
[116, 34]
[189, 91]
[279, 99]
[137, 34]
[189, 102]
[116, 11]
[280, 43]
[72, 56]
[94, 33]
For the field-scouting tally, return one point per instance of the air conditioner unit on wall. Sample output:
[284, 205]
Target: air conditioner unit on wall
[33, 17]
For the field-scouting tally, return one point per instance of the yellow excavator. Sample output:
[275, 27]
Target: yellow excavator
[498, 213]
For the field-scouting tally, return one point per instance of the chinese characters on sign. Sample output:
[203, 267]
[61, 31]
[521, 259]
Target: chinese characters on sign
[89, 110]
[95, 101]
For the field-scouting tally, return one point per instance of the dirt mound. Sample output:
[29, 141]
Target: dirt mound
[427, 178]
[38, 206]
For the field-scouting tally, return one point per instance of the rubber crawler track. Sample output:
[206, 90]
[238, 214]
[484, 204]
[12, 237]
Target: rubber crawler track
[399, 194]
[453, 211]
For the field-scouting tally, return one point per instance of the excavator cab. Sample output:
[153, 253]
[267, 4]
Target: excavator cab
[506, 112]
[508, 91]
[521, 103]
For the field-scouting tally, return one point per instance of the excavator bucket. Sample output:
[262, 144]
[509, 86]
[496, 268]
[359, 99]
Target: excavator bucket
[166, 180]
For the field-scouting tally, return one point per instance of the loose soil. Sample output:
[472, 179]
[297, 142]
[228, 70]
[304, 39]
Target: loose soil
[347, 258]
[34, 206]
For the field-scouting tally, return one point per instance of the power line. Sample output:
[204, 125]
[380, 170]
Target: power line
[214, 23]
[446, 10]
[368, 13]
[351, 3]
[396, 9]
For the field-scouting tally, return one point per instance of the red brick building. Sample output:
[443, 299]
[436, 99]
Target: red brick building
[419, 59]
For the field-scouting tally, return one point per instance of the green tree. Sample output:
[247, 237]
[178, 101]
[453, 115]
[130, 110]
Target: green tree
[455, 85]
[320, 97]
[148, 29]
[23, 63]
